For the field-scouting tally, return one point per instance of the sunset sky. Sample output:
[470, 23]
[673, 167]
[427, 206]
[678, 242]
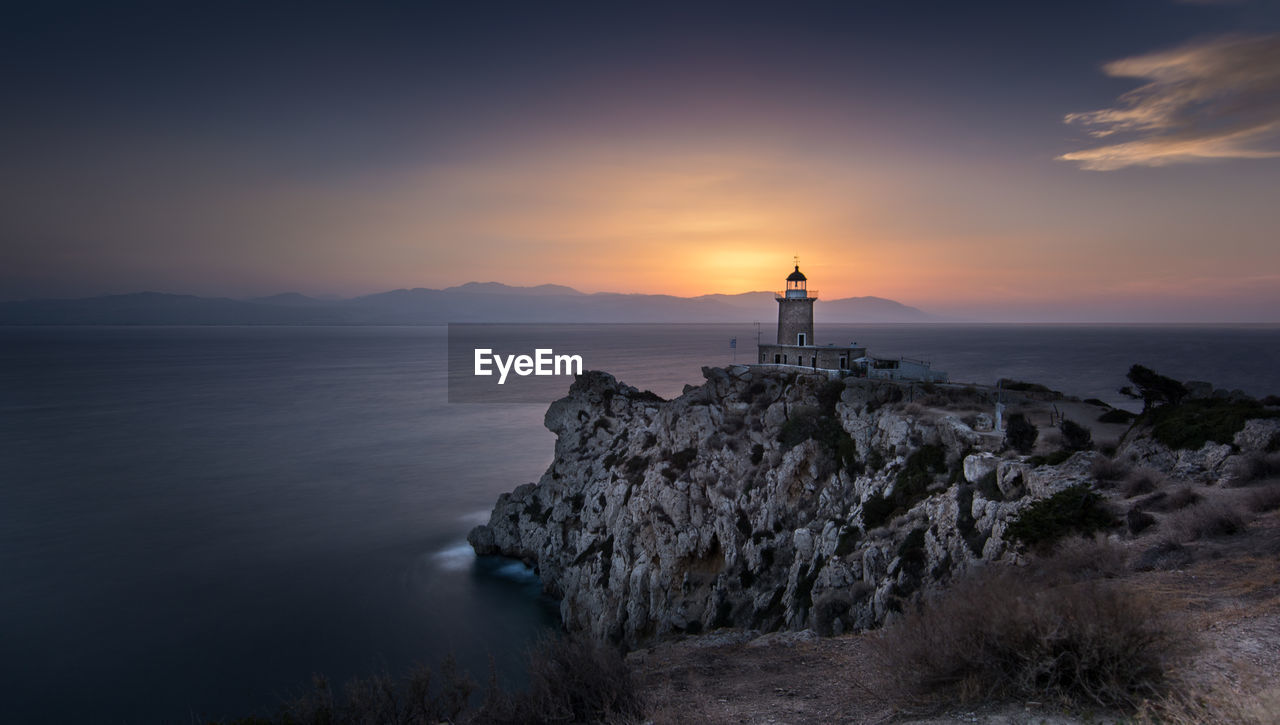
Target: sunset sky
[1092, 161]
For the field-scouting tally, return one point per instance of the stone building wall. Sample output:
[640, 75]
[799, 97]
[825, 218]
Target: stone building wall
[795, 316]
[826, 358]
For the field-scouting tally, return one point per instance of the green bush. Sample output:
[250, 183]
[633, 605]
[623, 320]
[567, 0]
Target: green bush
[1191, 424]
[1076, 437]
[921, 467]
[1023, 386]
[1117, 415]
[799, 427]
[911, 486]
[1075, 510]
[809, 423]
[1021, 434]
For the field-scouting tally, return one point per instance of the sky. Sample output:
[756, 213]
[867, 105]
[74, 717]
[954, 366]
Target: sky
[1056, 161]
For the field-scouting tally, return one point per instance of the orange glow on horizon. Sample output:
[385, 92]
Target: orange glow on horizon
[690, 222]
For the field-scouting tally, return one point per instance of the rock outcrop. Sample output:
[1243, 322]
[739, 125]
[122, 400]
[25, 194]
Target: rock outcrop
[743, 503]
[769, 500]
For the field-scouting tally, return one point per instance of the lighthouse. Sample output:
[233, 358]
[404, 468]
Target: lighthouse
[795, 311]
[796, 347]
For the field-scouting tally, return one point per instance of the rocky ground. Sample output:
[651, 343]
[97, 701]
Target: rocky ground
[1226, 600]
[746, 539]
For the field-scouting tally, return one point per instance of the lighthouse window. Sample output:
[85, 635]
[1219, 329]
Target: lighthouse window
[777, 359]
[800, 339]
[844, 363]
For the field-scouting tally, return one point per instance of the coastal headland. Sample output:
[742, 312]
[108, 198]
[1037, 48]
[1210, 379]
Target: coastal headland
[822, 508]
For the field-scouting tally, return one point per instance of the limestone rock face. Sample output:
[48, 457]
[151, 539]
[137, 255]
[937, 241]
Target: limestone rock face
[978, 466]
[1212, 463]
[762, 499]
[1044, 481]
[1258, 435]
[1209, 465]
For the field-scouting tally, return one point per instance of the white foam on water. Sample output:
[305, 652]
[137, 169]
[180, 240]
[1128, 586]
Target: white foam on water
[455, 558]
[475, 518]
[517, 572]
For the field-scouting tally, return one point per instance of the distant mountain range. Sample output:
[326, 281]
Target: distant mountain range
[471, 302]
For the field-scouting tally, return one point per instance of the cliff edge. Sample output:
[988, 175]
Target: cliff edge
[763, 499]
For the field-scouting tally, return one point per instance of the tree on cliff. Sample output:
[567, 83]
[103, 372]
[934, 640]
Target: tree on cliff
[1152, 388]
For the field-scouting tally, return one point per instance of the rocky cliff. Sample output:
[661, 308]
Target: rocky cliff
[769, 500]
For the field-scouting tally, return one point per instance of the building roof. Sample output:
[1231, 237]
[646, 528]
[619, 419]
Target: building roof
[797, 276]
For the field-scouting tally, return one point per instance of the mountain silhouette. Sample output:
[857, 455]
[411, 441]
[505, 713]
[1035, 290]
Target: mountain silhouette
[470, 302]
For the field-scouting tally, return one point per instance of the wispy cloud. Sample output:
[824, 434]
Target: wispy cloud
[1213, 99]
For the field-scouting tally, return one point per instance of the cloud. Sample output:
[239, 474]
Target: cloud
[1213, 99]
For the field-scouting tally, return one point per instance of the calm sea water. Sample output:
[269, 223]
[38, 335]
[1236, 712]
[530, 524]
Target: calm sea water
[193, 521]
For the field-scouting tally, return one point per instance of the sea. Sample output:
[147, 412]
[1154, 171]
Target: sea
[196, 521]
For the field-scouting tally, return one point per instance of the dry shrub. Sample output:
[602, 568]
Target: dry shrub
[913, 410]
[1164, 556]
[1206, 520]
[1264, 498]
[1003, 635]
[1248, 695]
[1139, 521]
[1173, 501]
[571, 679]
[382, 699]
[1255, 467]
[1078, 559]
[1140, 481]
[1108, 471]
